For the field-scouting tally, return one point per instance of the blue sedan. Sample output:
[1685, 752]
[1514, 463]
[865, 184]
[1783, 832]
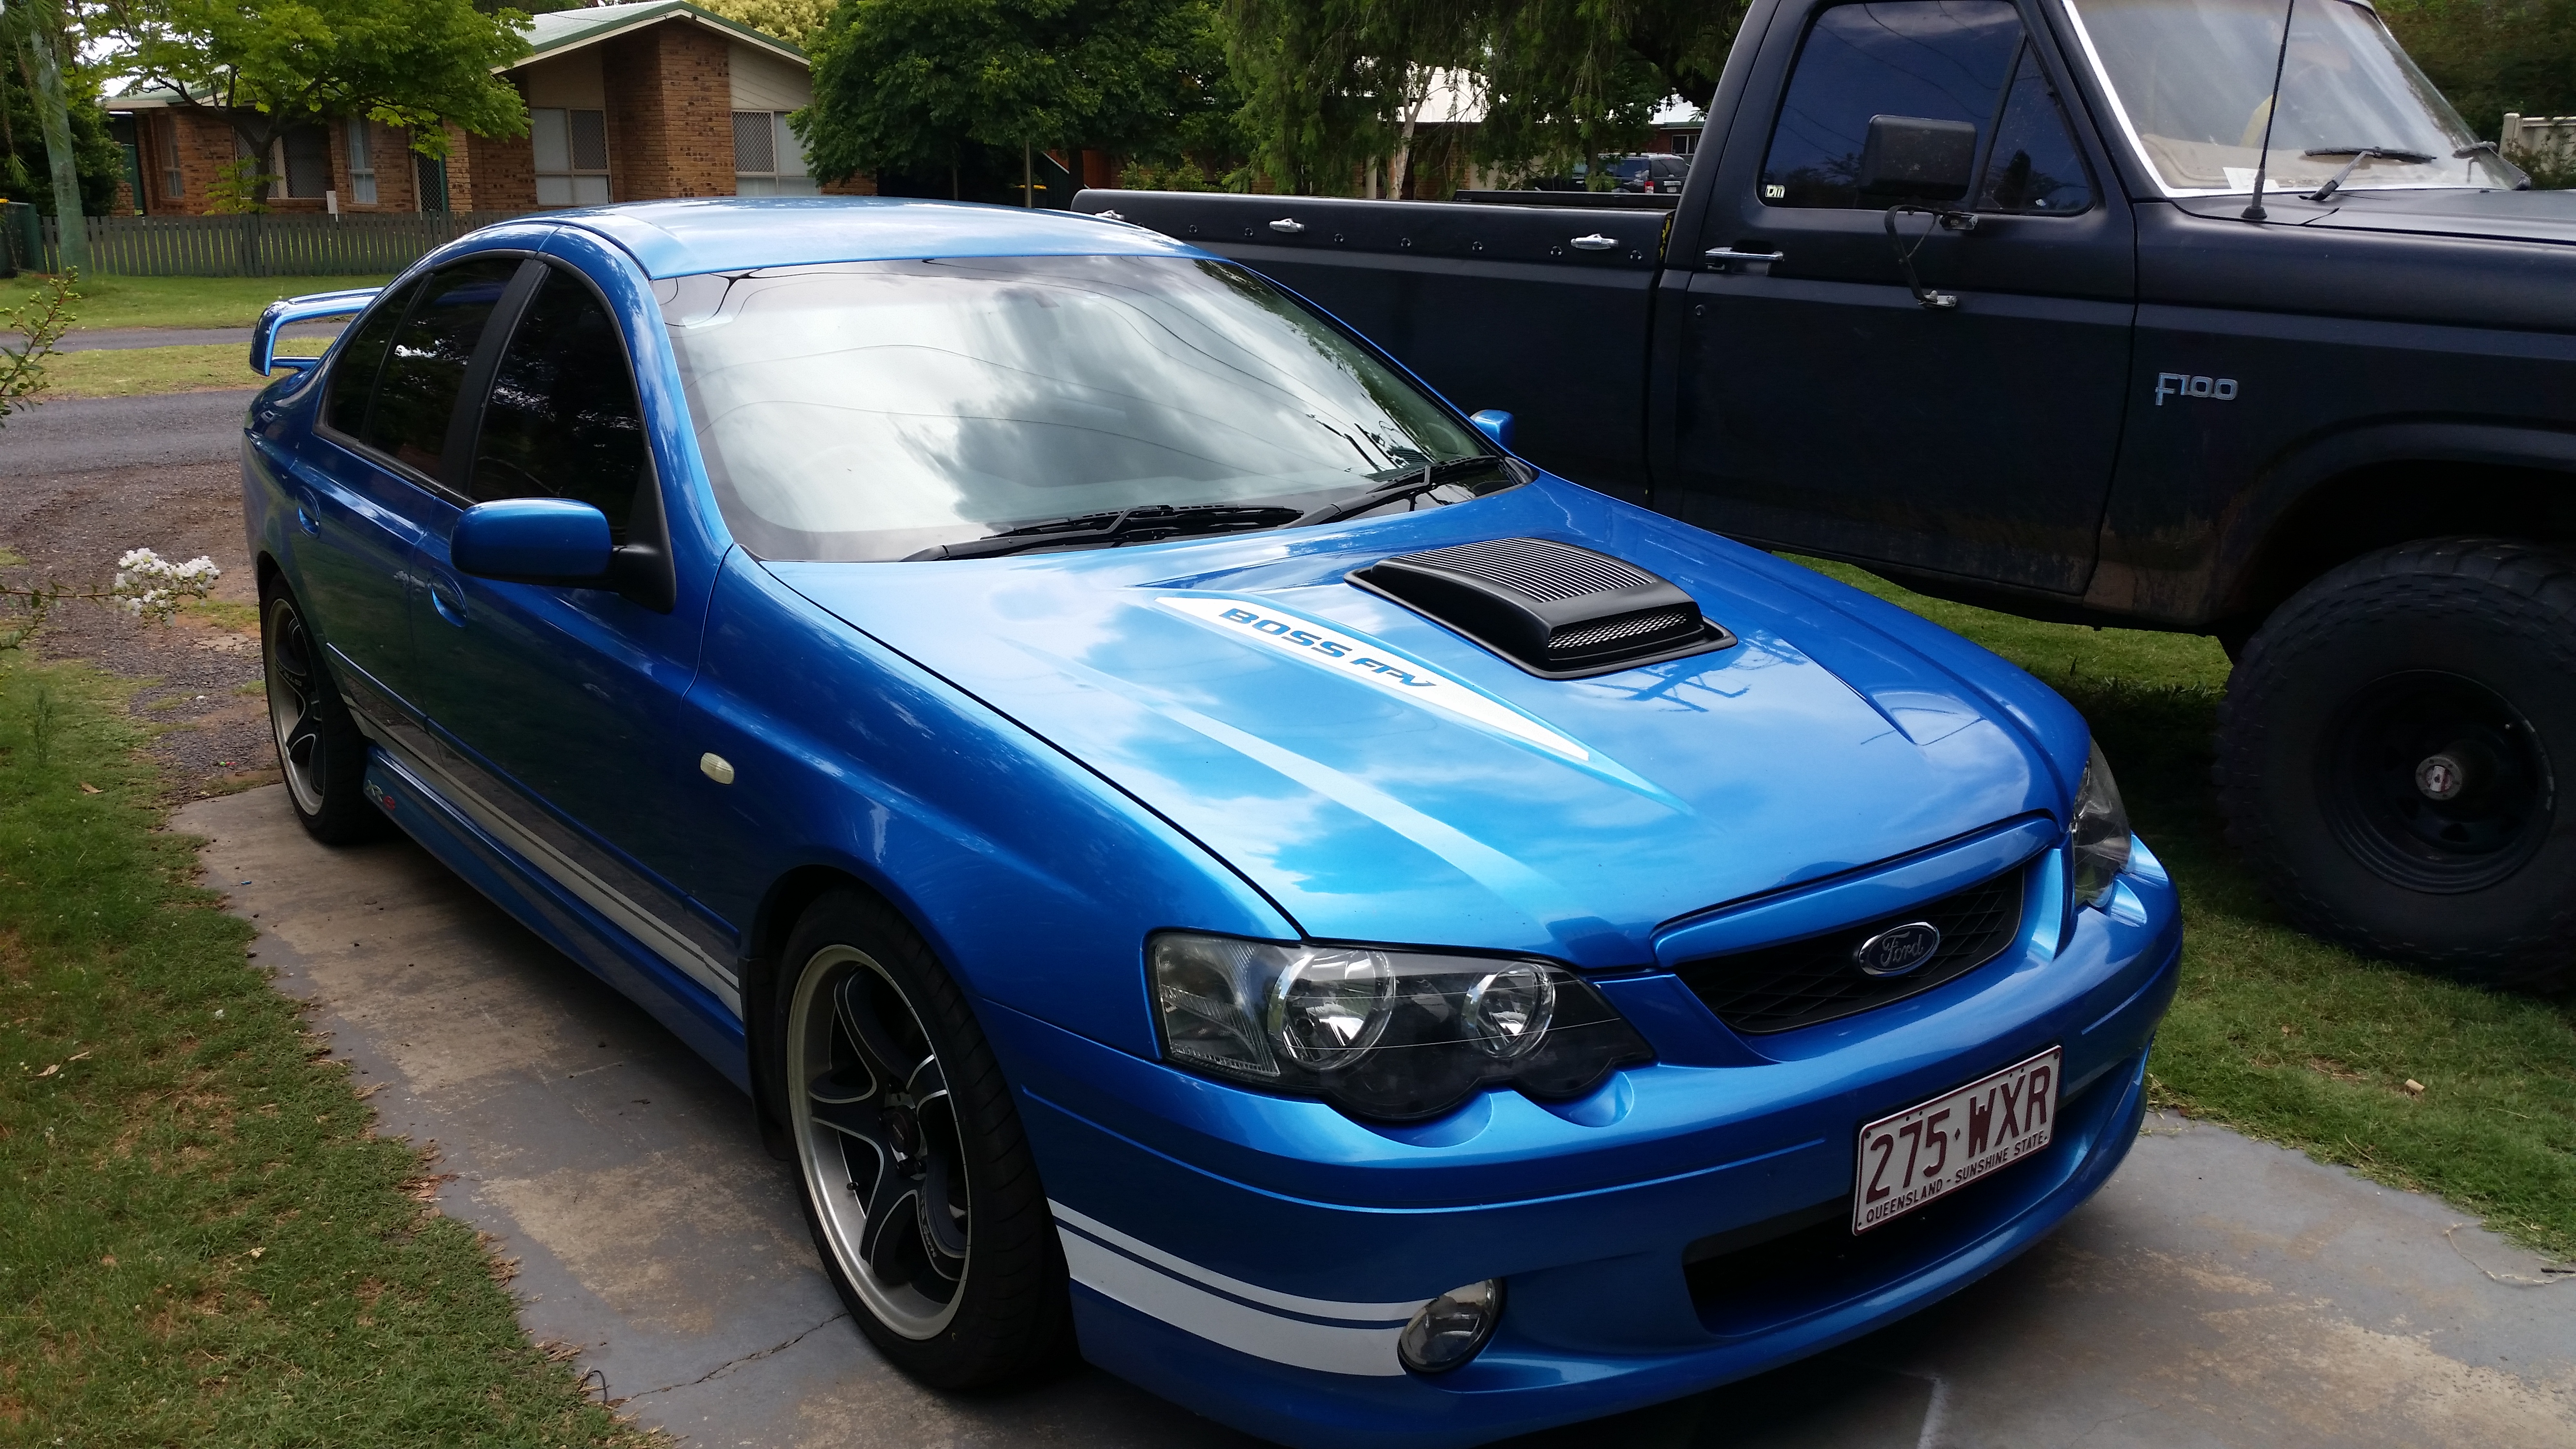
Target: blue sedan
[1201, 857]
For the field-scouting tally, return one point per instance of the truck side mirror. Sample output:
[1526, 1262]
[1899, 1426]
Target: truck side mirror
[1910, 158]
[1496, 425]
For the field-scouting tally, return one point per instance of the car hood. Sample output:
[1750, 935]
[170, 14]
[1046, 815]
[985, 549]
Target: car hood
[1466, 803]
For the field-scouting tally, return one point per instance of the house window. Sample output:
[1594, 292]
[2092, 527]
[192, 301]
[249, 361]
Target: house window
[165, 142]
[304, 154]
[767, 158]
[1682, 142]
[572, 156]
[362, 164]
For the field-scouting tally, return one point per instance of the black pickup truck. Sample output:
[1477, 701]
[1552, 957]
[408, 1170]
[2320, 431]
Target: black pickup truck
[1977, 294]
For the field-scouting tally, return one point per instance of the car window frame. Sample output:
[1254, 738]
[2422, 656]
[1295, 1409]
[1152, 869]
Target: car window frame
[642, 568]
[471, 390]
[2033, 52]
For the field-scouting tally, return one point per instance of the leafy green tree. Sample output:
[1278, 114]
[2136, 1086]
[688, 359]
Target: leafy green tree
[278, 64]
[1330, 85]
[798, 22]
[24, 167]
[909, 84]
[2493, 56]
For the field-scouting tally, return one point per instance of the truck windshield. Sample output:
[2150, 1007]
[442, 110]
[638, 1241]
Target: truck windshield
[873, 410]
[2193, 82]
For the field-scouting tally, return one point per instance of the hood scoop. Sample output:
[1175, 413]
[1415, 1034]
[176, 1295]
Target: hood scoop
[1558, 611]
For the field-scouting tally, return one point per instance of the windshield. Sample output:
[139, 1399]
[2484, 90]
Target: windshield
[871, 410]
[2193, 81]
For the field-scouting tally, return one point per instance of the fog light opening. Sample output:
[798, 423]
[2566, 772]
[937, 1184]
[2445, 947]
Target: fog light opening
[1452, 1328]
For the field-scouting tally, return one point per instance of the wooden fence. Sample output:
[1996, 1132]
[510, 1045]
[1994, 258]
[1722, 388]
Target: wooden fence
[264, 245]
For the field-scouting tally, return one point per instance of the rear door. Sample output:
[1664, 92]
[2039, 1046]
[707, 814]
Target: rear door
[1818, 404]
[360, 500]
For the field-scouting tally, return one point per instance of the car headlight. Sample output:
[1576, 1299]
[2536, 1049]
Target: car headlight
[2097, 833]
[1391, 1035]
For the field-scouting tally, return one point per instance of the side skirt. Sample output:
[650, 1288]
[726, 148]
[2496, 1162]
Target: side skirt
[565, 921]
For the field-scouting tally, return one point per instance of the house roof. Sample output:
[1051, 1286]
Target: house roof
[558, 33]
[562, 31]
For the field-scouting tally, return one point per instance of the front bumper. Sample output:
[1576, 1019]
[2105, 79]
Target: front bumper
[1254, 1257]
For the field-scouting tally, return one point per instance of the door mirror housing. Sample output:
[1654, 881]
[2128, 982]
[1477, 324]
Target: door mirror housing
[533, 541]
[1496, 425]
[1910, 158]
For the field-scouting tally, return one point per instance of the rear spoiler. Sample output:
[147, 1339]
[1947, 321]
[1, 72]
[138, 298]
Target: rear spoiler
[263, 336]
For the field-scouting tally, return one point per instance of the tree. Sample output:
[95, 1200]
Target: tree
[1331, 85]
[38, 33]
[25, 168]
[2493, 56]
[798, 22]
[416, 64]
[909, 84]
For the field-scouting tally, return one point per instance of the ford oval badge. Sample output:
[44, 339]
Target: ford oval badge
[1898, 949]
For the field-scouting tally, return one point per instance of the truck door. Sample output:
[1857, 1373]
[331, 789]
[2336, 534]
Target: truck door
[1815, 402]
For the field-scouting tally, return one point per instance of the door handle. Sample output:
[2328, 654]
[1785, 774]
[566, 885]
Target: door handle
[1595, 242]
[308, 514]
[447, 599]
[1288, 224]
[1721, 257]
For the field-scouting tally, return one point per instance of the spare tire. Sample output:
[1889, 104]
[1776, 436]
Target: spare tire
[2388, 757]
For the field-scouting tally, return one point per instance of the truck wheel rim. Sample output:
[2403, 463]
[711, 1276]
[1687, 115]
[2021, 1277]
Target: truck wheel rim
[2437, 783]
[877, 1136]
[302, 753]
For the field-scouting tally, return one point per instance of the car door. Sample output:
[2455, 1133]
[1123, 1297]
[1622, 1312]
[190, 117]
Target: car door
[1818, 403]
[558, 714]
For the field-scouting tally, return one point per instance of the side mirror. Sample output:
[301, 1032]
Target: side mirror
[1496, 424]
[264, 357]
[533, 541]
[1909, 158]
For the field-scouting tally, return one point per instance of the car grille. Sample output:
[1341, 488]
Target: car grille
[1816, 979]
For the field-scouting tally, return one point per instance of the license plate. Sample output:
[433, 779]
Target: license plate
[1942, 1145]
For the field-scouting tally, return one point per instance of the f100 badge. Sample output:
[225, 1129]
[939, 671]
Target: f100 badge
[2186, 384]
[1357, 657]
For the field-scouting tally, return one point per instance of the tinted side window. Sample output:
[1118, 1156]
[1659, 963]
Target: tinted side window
[427, 365]
[353, 377]
[2035, 167]
[562, 420]
[1943, 60]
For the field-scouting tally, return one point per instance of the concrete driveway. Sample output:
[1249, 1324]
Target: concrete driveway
[2219, 1292]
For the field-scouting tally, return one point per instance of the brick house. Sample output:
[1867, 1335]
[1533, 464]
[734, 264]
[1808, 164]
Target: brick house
[628, 102]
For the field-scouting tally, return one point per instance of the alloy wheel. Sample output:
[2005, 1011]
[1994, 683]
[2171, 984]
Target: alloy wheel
[294, 699]
[877, 1136]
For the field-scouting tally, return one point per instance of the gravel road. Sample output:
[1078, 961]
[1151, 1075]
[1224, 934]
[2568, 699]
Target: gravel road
[81, 482]
[92, 433]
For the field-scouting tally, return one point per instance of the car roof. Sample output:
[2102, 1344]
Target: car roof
[731, 233]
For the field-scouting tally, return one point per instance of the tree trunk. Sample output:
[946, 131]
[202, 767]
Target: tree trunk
[56, 121]
[1029, 174]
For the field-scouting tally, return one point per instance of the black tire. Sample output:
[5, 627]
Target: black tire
[2388, 752]
[958, 1290]
[319, 748]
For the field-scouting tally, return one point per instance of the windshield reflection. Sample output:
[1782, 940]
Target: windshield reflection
[870, 410]
[2193, 81]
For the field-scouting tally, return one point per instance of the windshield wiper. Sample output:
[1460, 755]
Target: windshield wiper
[1432, 475]
[1132, 525]
[2358, 154]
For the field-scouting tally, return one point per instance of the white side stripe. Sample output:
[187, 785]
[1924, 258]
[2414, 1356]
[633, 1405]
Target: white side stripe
[1312, 1333]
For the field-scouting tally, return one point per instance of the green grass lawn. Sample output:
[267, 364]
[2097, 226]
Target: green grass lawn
[128, 372]
[109, 301]
[200, 1242]
[2283, 1036]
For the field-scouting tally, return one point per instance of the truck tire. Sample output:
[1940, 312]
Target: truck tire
[2388, 753]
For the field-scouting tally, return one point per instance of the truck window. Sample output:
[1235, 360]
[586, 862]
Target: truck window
[1944, 60]
[2034, 168]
